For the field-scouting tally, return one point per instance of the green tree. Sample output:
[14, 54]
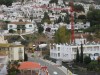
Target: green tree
[81, 17]
[11, 31]
[40, 29]
[53, 1]
[81, 54]
[66, 19]
[46, 18]
[59, 19]
[25, 57]
[87, 60]
[75, 18]
[31, 17]
[12, 68]
[79, 8]
[6, 2]
[77, 55]
[94, 17]
[62, 35]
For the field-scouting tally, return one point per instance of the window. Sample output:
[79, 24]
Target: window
[65, 55]
[58, 48]
[30, 25]
[10, 26]
[20, 54]
[96, 54]
[58, 54]
[74, 49]
[84, 26]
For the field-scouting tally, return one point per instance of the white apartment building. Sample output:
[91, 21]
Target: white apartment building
[14, 51]
[67, 52]
[10, 51]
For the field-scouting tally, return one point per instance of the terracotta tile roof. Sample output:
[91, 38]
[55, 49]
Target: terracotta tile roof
[29, 65]
[20, 23]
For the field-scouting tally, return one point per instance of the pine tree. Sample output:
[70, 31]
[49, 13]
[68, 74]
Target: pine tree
[66, 19]
[46, 18]
[77, 55]
[25, 57]
[53, 1]
[81, 55]
[59, 19]
[6, 2]
[40, 29]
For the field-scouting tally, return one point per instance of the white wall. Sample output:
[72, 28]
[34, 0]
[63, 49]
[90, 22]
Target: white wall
[14, 53]
[28, 29]
[14, 27]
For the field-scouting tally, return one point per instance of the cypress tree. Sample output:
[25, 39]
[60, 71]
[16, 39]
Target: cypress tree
[77, 55]
[81, 55]
[46, 18]
[59, 19]
[25, 57]
[66, 19]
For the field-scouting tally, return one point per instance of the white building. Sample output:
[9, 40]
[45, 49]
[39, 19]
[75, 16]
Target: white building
[8, 52]
[79, 25]
[16, 51]
[67, 52]
[42, 1]
[21, 27]
[97, 7]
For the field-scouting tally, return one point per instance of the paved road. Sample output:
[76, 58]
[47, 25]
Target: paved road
[51, 68]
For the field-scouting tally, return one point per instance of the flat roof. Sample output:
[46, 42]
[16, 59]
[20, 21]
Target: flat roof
[20, 23]
[10, 45]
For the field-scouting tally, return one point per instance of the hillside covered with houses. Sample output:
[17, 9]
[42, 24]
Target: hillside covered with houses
[25, 25]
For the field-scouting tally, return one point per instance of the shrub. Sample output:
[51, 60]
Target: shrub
[93, 66]
[11, 31]
[25, 57]
[87, 60]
